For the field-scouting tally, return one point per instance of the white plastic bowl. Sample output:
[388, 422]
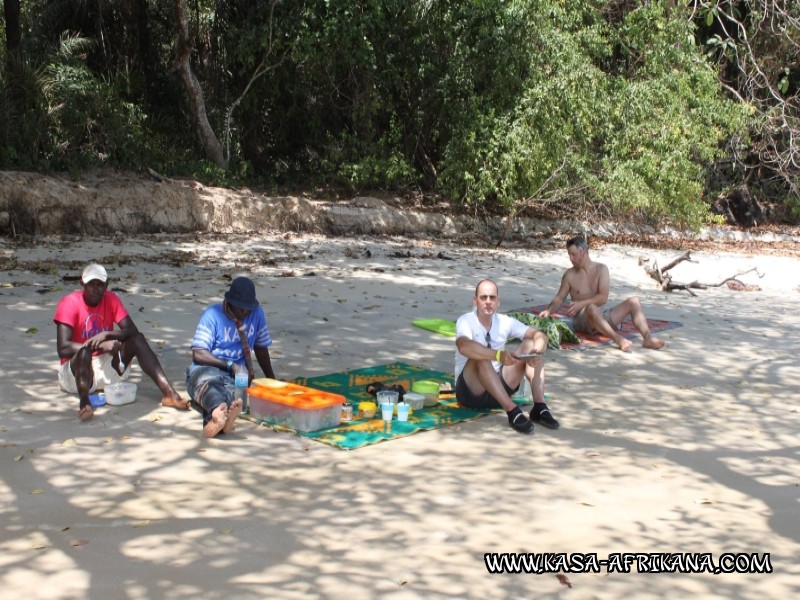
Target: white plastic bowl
[417, 401]
[120, 393]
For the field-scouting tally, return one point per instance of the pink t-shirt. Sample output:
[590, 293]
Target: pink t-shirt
[87, 321]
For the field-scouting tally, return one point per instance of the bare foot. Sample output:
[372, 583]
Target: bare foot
[233, 412]
[653, 343]
[86, 413]
[175, 401]
[217, 422]
[624, 345]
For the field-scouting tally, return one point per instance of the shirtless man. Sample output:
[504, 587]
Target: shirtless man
[93, 353]
[587, 285]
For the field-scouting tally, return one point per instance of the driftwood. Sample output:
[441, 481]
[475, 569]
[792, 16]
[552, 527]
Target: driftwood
[157, 176]
[668, 285]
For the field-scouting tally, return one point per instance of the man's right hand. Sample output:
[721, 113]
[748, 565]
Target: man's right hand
[545, 313]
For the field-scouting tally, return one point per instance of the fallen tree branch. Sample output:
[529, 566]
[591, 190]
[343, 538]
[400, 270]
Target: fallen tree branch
[157, 176]
[658, 274]
[667, 285]
[685, 256]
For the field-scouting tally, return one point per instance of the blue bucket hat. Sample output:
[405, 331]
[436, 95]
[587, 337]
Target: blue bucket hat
[242, 294]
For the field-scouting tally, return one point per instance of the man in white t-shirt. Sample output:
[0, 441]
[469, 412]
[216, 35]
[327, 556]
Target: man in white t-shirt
[486, 373]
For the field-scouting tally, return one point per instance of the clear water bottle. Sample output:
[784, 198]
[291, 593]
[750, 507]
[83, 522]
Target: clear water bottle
[521, 393]
[241, 381]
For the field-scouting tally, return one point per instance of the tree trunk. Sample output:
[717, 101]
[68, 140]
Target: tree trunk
[13, 35]
[197, 106]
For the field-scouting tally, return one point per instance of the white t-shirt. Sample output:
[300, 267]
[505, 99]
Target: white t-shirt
[503, 328]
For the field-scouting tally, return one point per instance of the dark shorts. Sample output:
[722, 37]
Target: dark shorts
[467, 399]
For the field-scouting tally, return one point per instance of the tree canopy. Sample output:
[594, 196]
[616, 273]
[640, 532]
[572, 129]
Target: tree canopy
[648, 109]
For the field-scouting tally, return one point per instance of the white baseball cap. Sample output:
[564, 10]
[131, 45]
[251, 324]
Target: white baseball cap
[94, 271]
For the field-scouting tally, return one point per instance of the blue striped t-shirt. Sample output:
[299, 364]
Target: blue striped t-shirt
[217, 333]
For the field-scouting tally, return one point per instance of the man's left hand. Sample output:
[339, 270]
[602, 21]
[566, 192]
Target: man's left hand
[100, 343]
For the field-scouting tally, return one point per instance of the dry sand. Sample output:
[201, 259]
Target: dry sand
[691, 449]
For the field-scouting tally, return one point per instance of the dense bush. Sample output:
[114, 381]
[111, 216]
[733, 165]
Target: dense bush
[499, 103]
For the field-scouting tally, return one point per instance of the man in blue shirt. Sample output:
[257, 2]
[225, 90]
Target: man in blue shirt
[226, 337]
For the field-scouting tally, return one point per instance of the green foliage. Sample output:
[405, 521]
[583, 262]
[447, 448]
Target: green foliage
[86, 120]
[656, 163]
[555, 329]
[379, 166]
[670, 121]
[632, 111]
[372, 172]
[486, 101]
[508, 152]
[69, 119]
[753, 46]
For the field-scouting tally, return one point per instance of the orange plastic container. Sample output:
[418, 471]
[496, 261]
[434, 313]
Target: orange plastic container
[296, 406]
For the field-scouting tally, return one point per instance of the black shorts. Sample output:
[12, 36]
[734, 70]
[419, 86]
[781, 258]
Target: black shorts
[467, 399]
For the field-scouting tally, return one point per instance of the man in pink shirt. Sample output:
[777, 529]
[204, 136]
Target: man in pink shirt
[93, 353]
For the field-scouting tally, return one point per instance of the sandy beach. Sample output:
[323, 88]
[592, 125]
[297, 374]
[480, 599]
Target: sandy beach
[693, 449]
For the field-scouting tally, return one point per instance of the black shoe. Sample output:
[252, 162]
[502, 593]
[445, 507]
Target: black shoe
[541, 414]
[518, 420]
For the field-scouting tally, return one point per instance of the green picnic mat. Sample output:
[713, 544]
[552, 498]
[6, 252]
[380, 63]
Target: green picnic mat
[441, 326]
[359, 432]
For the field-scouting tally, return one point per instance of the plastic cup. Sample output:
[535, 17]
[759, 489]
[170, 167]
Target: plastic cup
[387, 410]
[388, 397]
[402, 411]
